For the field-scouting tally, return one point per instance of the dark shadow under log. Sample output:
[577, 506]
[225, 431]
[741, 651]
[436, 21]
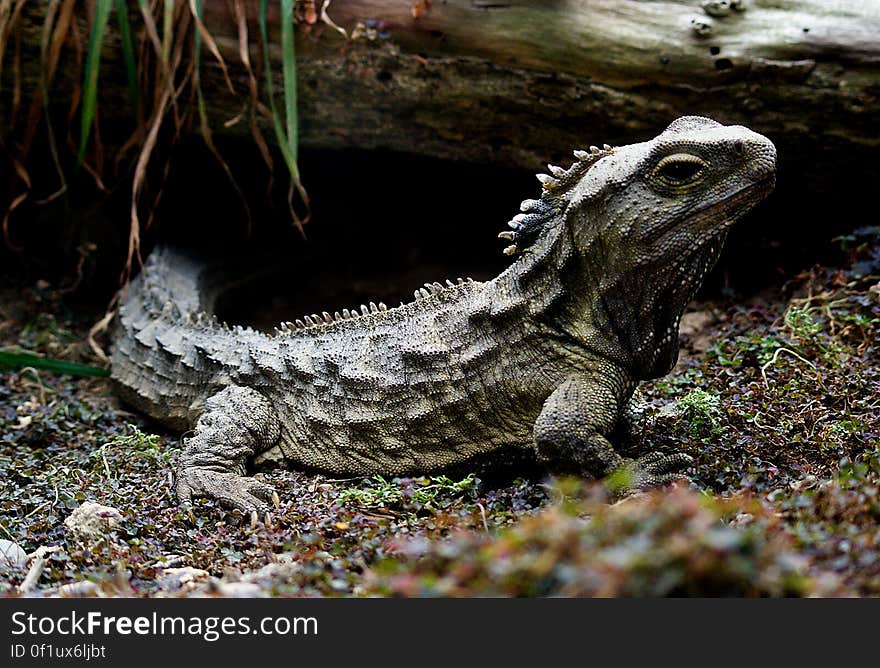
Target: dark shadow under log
[520, 83]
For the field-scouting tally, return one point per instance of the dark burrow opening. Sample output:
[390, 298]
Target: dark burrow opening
[383, 224]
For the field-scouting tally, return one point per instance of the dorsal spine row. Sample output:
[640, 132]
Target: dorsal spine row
[325, 318]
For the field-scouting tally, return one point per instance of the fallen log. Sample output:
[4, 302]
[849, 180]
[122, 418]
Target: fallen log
[518, 81]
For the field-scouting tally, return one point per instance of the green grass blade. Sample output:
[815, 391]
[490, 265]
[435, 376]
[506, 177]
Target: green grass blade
[127, 51]
[197, 64]
[93, 64]
[23, 359]
[197, 38]
[288, 59]
[281, 138]
[270, 86]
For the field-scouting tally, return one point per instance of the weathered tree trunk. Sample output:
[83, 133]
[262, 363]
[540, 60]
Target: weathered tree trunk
[516, 82]
[520, 82]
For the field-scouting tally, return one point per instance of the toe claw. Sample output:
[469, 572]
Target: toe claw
[674, 462]
[664, 479]
[657, 463]
[650, 458]
[231, 490]
[654, 469]
[255, 519]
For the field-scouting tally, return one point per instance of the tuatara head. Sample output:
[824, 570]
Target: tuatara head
[659, 199]
[629, 233]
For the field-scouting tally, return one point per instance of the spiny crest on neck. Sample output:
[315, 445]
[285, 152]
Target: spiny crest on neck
[325, 319]
[536, 214]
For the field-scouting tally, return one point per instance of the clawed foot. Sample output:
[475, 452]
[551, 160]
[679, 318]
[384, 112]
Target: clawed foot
[652, 470]
[233, 491]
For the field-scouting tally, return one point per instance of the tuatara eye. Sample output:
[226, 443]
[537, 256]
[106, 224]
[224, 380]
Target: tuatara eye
[680, 169]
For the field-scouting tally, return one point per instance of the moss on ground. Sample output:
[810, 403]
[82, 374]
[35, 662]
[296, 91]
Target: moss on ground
[776, 399]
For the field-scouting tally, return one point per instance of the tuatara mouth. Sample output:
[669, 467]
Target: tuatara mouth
[744, 198]
[719, 216]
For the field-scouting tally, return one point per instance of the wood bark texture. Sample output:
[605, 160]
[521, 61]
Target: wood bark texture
[521, 82]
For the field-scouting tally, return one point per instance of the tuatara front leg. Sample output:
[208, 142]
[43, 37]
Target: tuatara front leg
[574, 424]
[237, 423]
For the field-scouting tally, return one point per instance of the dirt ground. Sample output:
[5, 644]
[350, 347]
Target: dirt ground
[777, 398]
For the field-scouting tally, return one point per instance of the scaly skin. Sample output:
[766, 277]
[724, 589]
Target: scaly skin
[544, 358]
